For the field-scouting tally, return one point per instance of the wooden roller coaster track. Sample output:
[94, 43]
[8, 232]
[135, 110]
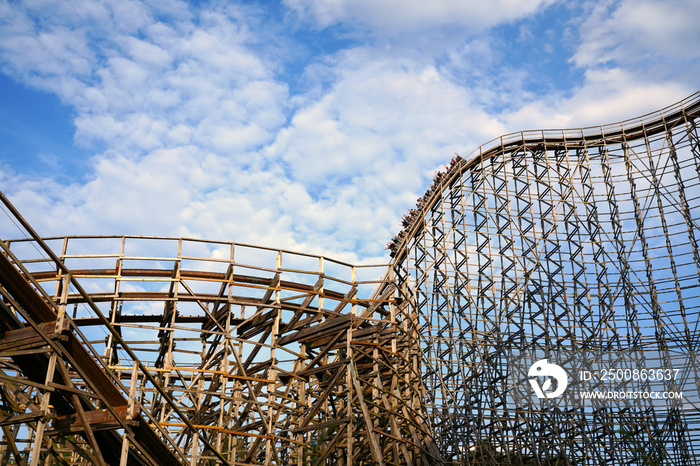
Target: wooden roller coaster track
[128, 350]
[179, 359]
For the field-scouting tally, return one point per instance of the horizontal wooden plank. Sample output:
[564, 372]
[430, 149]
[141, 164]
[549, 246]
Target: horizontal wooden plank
[21, 418]
[321, 425]
[97, 416]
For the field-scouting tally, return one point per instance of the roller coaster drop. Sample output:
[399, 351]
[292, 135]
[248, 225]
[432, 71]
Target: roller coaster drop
[152, 351]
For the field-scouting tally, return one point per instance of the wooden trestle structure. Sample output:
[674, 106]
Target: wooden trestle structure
[566, 244]
[192, 352]
[170, 351]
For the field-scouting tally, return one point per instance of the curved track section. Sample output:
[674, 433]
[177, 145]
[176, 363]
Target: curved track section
[570, 248]
[133, 350]
[579, 246]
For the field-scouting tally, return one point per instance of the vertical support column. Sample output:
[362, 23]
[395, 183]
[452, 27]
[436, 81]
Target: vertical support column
[353, 279]
[130, 412]
[45, 400]
[63, 303]
[348, 384]
[348, 378]
[41, 424]
[237, 395]
[115, 308]
[272, 372]
[377, 385]
[321, 291]
[391, 403]
[225, 370]
[392, 310]
[196, 450]
[301, 404]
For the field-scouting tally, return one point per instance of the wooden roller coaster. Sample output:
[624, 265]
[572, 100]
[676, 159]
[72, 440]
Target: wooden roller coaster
[121, 350]
[180, 359]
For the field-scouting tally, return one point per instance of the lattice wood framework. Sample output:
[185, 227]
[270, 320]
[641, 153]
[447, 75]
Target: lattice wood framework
[135, 350]
[125, 350]
[543, 240]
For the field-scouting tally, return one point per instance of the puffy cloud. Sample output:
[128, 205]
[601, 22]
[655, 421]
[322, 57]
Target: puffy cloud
[409, 15]
[132, 90]
[195, 131]
[368, 147]
[607, 96]
[178, 107]
[633, 31]
[393, 116]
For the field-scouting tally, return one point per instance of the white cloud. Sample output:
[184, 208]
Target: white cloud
[368, 147]
[396, 16]
[380, 117]
[197, 133]
[632, 31]
[179, 108]
[130, 91]
[607, 96]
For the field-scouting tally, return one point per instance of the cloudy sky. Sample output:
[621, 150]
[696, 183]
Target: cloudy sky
[310, 125]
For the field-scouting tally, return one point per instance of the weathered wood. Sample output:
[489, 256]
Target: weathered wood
[321, 400]
[240, 392]
[377, 455]
[21, 418]
[73, 422]
[313, 370]
[322, 425]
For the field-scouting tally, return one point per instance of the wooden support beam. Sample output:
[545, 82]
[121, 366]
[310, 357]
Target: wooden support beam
[99, 419]
[377, 455]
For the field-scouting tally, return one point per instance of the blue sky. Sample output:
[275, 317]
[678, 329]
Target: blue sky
[310, 125]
